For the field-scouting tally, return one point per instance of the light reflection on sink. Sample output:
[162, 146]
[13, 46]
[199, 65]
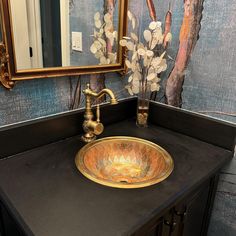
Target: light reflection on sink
[124, 162]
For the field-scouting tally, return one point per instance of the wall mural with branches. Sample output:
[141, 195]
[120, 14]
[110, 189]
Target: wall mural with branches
[201, 77]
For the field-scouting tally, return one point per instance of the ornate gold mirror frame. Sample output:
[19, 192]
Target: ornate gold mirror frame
[5, 77]
[10, 74]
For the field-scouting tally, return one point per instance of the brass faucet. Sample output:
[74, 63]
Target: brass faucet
[91, 127]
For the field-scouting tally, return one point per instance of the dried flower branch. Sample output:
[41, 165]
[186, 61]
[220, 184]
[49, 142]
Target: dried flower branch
[146, 60]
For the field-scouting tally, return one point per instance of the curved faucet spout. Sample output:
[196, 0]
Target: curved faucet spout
[103, 92]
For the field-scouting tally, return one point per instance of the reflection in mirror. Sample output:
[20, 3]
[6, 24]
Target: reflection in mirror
[64, 33]
[1, 29]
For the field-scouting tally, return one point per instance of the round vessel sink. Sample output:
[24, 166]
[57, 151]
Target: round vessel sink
[124, 162]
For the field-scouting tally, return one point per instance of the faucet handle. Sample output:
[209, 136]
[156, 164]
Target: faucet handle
[97, 127]
[87, 89]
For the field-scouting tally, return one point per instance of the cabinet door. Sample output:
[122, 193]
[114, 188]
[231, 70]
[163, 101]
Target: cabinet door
[154, 231]
[9, 226]
[188, 217]
[153, 228]
[195, 214]
[1, 222]
[171, 224]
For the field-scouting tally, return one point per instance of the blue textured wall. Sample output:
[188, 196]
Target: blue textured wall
[37, 98]
[210, 85]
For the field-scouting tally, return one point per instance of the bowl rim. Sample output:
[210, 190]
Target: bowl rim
[79, 161]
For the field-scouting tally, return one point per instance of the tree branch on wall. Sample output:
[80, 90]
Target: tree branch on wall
[151, 9]
[97, 83]
[153, 16]
[109, 8]
[188, 37]
[75, 96]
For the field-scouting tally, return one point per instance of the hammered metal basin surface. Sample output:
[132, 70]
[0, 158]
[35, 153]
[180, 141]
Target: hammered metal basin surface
[124, 162]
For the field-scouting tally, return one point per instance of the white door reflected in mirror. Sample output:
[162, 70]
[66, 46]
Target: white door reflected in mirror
[60, 33]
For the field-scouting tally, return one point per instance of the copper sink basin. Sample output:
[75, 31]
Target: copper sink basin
[124, 162]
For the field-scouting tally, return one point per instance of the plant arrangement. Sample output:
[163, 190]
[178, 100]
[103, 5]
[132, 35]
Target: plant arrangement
[145, 62]
[188, 36]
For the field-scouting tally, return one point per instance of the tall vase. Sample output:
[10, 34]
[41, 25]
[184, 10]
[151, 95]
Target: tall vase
[143, 104]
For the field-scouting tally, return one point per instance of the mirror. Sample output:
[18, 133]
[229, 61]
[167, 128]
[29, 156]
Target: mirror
[0, 29]
[48, 38]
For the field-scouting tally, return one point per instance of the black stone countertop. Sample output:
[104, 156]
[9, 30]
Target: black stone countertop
[49, 197]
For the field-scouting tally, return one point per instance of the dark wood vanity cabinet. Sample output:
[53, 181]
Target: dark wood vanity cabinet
[190, 217]
[1, 221]
[8, 226]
